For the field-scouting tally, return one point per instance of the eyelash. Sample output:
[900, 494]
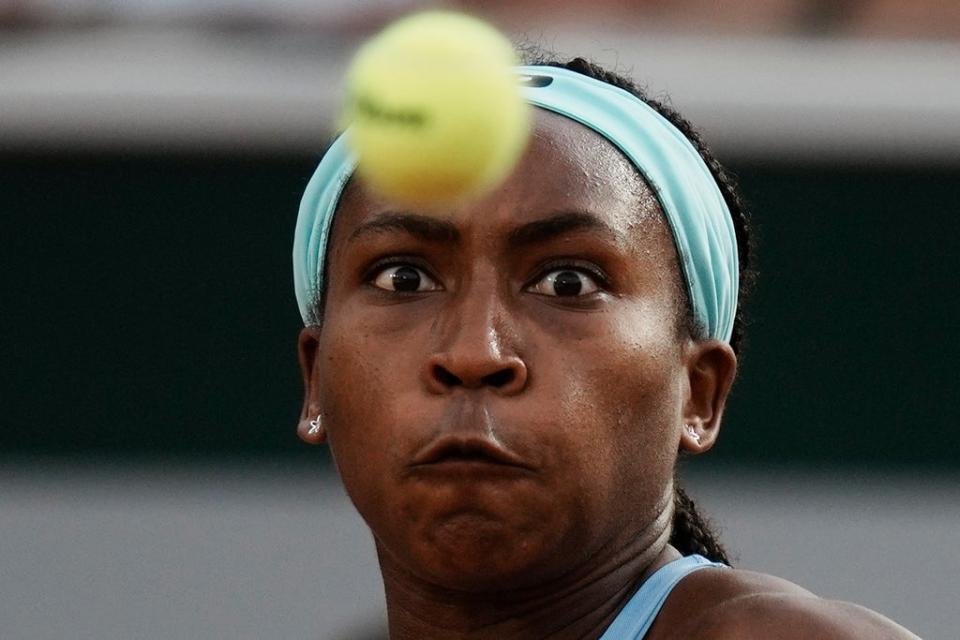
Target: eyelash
[603, 282]
[571, 265]
[370, 273]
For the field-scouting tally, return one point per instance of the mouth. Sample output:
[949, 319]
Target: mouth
[467, 452]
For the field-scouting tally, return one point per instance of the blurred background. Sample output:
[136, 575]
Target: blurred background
[152, 157]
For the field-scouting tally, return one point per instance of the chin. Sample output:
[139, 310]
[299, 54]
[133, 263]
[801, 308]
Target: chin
[475, 552]
[483, 575]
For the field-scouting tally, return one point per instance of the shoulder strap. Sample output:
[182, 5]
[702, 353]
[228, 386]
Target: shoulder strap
[636, 617]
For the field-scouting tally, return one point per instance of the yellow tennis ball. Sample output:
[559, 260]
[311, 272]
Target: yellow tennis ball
[434, 109]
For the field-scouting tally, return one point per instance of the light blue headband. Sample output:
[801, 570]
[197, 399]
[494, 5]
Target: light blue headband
[689, 196]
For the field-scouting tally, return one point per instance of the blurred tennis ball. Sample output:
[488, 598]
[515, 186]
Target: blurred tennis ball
[434, 109]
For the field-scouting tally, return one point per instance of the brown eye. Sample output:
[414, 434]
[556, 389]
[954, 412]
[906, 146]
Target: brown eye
[404, 278]
[565, 283]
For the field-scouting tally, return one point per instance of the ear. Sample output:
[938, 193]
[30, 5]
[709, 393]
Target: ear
[310, 427]
[711, 367]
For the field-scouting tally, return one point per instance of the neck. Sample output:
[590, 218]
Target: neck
[577, 606]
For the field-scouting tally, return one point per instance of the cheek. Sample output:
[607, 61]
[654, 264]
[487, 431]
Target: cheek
[364, 387]
[619, 395]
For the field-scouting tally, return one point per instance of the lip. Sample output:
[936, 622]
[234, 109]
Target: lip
[466, 453]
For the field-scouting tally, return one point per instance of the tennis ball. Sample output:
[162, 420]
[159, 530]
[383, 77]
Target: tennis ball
[434, 109]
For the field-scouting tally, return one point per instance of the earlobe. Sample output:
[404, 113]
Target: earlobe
[711, 367]
[310, 427]
[691, 440]
[311, 430]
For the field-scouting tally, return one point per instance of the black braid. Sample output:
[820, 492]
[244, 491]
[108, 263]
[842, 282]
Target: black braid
[691, 532]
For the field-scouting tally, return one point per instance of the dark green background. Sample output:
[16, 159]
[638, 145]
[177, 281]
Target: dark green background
[147, 308]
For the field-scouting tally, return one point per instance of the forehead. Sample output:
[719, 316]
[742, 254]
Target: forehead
[566, 167]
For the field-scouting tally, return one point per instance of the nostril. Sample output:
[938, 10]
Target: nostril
[445, 377]
[500, 378]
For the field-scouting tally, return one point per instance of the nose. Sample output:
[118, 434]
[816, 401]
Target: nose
[505, 374]
[475, 352]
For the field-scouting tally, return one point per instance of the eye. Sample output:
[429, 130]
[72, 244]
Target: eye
[404, 278]
[565, 283]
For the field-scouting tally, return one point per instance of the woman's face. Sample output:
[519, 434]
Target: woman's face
[504, 387]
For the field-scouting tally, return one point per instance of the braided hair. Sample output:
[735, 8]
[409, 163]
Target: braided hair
[691, 533]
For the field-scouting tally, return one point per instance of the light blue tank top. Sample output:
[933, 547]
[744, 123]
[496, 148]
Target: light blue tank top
[635, 619]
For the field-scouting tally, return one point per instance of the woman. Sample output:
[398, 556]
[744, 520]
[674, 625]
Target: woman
[506, 389]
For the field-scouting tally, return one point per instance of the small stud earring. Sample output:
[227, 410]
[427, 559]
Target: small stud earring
[314, 426]
[693, 433]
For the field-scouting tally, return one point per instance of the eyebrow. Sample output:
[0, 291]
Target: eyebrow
[558, 224]
[422, 227]
[441, 231]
